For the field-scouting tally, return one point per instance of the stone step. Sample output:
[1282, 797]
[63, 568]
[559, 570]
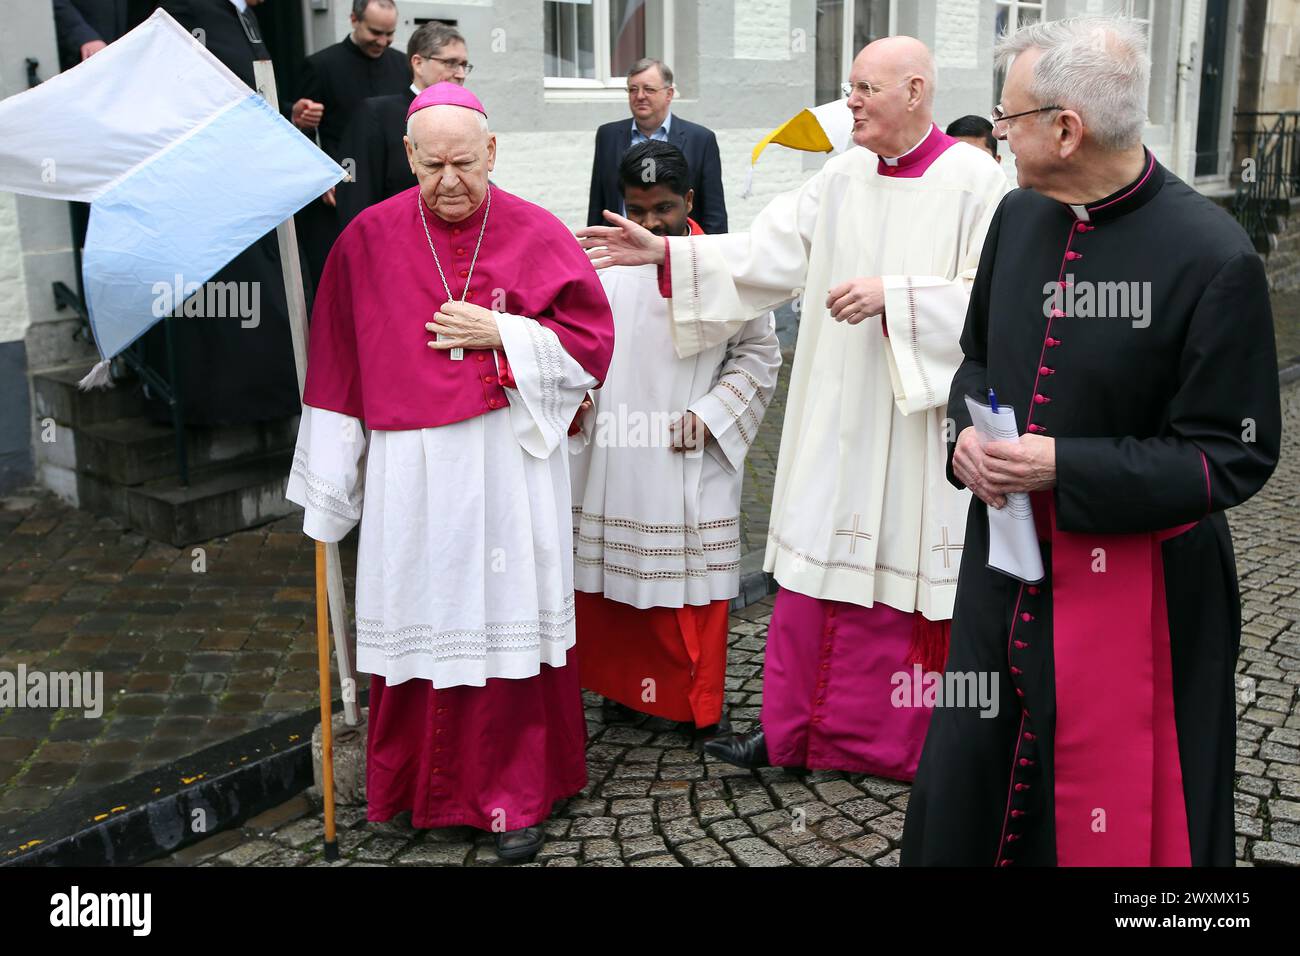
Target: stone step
[1287, 242]
[129, 451]
[58, 397]
[219, 500]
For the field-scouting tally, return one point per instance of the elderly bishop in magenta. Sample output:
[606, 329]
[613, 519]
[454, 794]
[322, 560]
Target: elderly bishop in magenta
[455, 332]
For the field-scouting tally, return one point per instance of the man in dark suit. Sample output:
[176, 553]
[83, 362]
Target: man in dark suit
[228, 31]
[374, 135]
[84, 27]
[650, 95]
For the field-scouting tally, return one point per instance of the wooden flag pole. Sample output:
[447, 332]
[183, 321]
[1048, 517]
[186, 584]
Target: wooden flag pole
[330, 599]
[326, 717]
[287, 237]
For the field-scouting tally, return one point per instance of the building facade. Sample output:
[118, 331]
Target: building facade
[550, 71]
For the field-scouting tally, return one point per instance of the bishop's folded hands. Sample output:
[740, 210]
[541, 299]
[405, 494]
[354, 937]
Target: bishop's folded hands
[464, 325]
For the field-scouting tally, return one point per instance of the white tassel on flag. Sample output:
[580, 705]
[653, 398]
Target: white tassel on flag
[749, 183]
[98, 377]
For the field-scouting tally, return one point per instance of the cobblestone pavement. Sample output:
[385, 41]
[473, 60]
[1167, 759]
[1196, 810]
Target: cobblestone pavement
[760, 465]
[1286, 327]
[652, 801]
[1266, 535]
[189, 657]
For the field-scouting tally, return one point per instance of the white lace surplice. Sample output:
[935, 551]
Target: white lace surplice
[465, 567]
[655, 527]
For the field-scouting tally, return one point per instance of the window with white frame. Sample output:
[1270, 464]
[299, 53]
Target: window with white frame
[1011, 16]
[843, 28]
[1139, 10]
[590, 44]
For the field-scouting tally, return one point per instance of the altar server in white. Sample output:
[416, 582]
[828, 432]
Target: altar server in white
[656, 482]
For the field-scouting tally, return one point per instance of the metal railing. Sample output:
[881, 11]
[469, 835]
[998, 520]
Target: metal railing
[1266, 157]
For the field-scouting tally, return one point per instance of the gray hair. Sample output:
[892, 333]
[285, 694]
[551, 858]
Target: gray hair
[1096, 66]
[359, 6]
[643, 64]
[430, 38]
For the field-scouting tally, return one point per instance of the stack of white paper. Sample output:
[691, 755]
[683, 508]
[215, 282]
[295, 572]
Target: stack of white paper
[1013, 540]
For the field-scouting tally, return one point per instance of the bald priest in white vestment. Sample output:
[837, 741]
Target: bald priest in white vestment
[866, 532]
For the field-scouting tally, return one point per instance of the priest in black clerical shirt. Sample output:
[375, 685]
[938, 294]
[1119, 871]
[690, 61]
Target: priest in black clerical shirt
[332, 85]
[372, 147]
[1125, 319]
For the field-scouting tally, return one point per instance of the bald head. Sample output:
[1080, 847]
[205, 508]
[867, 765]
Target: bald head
[891, 59]
[451, 152]
[892, 99]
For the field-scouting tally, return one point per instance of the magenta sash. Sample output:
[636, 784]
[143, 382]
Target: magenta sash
[1118, 778]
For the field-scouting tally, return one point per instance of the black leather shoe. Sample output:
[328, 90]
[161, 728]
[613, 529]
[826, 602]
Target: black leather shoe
[742, 750]
[520, 844]
[611, 711]
[700, 735]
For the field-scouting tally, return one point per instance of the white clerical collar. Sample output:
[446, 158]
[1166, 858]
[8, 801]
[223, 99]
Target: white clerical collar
[893, 160]
[240, 5]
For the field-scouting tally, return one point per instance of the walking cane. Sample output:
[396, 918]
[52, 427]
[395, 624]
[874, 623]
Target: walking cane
[326, 717]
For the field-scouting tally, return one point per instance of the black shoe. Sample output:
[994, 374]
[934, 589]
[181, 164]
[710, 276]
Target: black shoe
[520, 844]
[611, 711]
[742, 750]
[701, 735]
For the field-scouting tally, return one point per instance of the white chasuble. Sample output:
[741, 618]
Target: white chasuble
[654, 527]
[465, 563]
[861, 509]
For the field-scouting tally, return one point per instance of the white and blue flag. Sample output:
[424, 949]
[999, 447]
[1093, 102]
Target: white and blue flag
[184, 167]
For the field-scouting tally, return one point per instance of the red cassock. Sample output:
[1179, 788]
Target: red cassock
[667, 661]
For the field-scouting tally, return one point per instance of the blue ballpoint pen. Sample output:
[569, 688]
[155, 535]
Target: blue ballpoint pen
[993, 402]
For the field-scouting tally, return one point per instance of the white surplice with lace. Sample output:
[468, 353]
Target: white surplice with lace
[862, 510]
[655, 527]
[465, 563]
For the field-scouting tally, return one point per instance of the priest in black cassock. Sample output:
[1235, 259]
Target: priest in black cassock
[1126, 320]
[230, 369]
[333, 83]
[375, 136]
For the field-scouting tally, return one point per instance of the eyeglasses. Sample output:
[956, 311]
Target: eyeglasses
[866, 89]
[1001, 121]
[647, 90]
[454, 64]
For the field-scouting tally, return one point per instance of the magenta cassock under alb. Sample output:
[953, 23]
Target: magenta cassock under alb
[457, 473]
[828, 688]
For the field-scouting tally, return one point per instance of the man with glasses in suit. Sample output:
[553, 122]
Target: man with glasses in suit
[650, 96]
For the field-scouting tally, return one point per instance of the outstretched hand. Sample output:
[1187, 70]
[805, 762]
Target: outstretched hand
[622, 244]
